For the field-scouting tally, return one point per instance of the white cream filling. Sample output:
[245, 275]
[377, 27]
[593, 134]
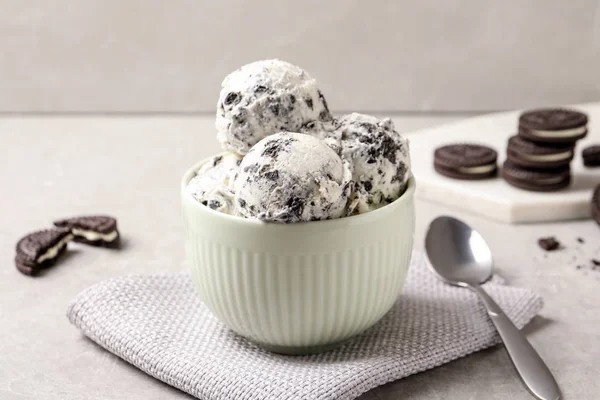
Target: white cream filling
[563, 133]
[547, 157]
[53, 251]
[91, 235]
[478, 170]
[550, 181]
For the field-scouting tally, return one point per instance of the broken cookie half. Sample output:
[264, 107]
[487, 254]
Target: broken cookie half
[41, 249]
[95, 230]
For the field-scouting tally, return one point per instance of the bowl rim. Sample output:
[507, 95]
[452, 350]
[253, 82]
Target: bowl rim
[360, 218]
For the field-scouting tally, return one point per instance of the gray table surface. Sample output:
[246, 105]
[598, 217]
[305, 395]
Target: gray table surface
[131, 166]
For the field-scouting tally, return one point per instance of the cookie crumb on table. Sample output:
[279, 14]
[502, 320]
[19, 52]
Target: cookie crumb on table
[549, 243]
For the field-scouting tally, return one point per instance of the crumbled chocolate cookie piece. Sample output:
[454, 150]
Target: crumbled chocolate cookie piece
[272, 175]
[215, 204]
[309, 102]
[232, 99]
[549, 243]
[272, 149]
[217, 160]
[260, 89]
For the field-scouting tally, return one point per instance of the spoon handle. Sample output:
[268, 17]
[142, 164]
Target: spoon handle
[533, 371]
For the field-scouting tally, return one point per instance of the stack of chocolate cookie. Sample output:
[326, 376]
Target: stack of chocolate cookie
[539, 157]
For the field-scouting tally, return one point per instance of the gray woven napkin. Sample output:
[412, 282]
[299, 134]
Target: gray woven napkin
[158, 324]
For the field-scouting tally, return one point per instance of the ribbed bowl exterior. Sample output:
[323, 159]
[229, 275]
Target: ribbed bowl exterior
[290, 287]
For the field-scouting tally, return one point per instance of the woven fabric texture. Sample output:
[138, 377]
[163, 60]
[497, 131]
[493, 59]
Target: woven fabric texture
[158, 324]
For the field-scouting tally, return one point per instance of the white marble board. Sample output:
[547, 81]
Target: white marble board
[495, 198]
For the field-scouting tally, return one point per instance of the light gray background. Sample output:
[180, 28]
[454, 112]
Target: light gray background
[377, 56]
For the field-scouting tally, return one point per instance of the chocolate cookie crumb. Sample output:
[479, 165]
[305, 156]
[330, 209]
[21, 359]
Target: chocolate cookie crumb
[549, 243]
[595, 262]
[580, 240]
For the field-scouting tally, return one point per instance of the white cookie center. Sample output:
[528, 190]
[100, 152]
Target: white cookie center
[547, 157]
[91, 235]
[54, 250]
[482, 169]
[549, 181]
[560, 134]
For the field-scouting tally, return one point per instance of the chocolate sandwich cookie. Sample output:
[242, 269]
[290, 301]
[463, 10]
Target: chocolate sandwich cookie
[96, 230]
[466, 161]
[591, 156]
[595, 206]
[553, 125]
[39, 250]
[536, 180]
[528, 154]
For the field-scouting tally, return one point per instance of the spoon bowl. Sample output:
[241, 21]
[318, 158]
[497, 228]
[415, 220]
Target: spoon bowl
[457, 253]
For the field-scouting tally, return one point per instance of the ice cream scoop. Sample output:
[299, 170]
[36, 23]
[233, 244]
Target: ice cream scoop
[380, 159]
[263, 98]
[292, 177]
[212, 184]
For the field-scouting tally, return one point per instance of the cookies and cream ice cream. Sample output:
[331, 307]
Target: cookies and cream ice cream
[212, 184]
[380, 159]
[292, 177]
[378, 153]
[263, 98]
[288, 160]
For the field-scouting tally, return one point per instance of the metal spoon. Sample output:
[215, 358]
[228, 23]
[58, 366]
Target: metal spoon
[460, 256]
